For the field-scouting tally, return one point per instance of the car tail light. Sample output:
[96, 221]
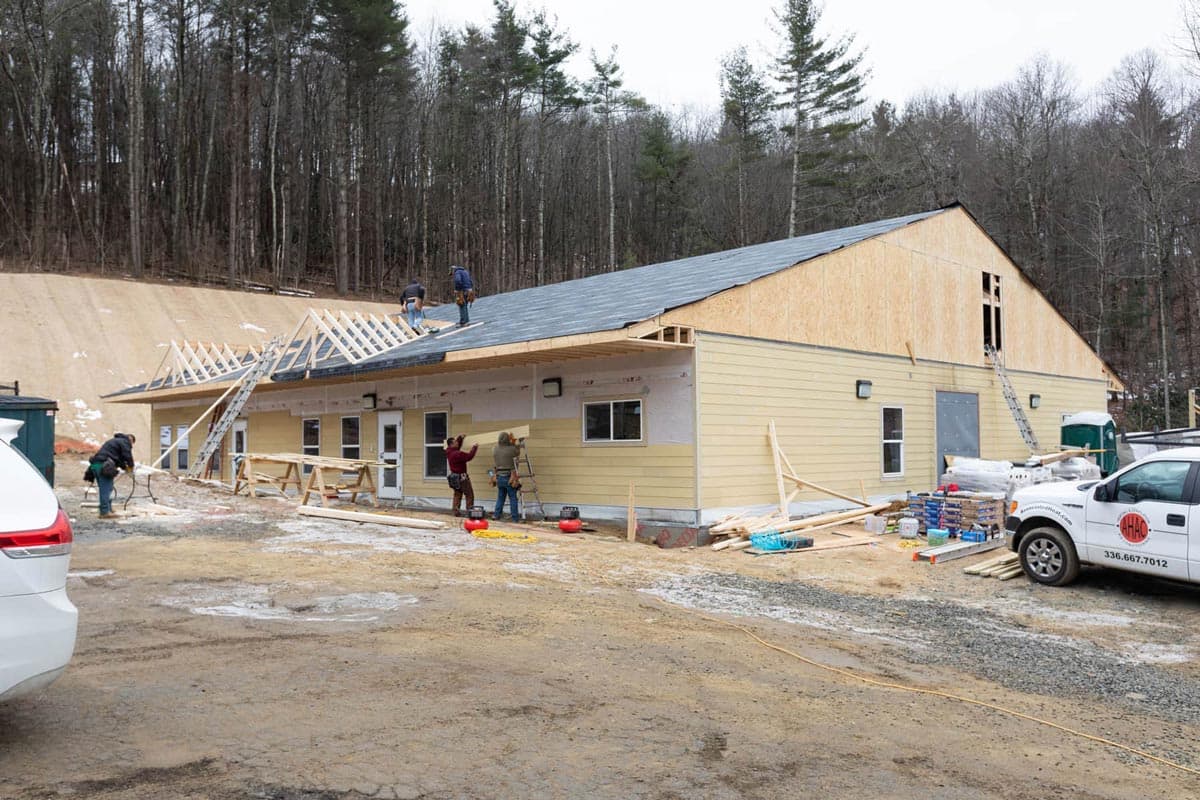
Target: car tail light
[52, 541]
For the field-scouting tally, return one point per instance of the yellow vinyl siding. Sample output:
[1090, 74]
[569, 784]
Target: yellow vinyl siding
[567, 471]
[835, 439]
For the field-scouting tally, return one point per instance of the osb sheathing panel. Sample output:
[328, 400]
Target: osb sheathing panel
[835, 439]
[920, 284]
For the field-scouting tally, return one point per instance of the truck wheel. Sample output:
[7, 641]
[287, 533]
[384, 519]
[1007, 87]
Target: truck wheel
[1048, 556]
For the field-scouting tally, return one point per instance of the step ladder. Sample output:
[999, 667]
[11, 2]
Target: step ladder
[1010, 397]
[528, 493]
[216, 432]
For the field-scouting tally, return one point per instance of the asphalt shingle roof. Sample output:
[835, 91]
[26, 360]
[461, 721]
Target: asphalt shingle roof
[608, 301]
[604, 302]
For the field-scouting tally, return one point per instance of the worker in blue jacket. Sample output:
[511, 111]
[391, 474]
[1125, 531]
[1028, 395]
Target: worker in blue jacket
[464, 292]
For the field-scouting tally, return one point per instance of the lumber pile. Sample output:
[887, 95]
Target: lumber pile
[376, 518]
[740, 527]
[1005, 567]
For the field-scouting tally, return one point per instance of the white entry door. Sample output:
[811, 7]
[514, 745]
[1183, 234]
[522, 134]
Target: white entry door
[390, 445]
[240, 446]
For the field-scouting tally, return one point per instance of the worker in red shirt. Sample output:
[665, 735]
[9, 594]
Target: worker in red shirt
[459, 480]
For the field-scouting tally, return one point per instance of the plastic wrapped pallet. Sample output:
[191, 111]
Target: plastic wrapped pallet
[1076, 469]
[978, 475]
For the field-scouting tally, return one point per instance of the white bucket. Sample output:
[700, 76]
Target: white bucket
[909, 528]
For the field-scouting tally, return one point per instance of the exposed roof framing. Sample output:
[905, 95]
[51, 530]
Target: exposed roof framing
[323, 334]
[197, 362]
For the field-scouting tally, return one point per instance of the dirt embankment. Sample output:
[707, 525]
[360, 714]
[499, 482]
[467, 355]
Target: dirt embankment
[74, 339]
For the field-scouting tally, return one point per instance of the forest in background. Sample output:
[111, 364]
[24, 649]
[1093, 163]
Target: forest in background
[319, 144]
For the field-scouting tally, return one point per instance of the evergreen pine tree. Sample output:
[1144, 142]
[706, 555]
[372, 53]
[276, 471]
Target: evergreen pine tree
[822, 83]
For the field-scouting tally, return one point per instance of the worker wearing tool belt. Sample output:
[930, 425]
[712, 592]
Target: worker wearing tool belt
[458, 479]
[504, 457]
[464, 293]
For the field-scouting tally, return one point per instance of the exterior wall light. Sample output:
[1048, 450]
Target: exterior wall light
[862, 389]
[368, 402]
[552, 387]
[1035, 400]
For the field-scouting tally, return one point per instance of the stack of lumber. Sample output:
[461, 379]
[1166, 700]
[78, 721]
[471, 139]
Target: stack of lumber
[790, 529]
[1005, 567]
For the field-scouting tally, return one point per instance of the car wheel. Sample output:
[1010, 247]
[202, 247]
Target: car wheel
[1048, 556]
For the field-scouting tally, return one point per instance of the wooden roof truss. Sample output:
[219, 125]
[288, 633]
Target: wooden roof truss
[323, 334]
[197, 362]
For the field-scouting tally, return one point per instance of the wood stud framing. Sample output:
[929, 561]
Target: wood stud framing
[197, 362]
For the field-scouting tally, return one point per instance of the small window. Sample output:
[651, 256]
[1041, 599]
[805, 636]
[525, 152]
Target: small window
[181, 452]
[310, 439]
[1158, 480]
[437, 426]
[164, 442]
[351, 446]
[612, 421]
[893, 441]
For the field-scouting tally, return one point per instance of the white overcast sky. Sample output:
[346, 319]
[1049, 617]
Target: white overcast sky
[671, 50]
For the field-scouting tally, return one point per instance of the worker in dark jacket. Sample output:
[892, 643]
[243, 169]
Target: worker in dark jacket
[464, 292]
[113, 456]
[460, 481]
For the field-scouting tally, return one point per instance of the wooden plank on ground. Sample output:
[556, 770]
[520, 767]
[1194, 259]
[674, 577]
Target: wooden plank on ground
[377, 519]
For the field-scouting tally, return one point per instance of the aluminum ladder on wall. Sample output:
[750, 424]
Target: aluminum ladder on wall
[528, 492]
[1010, 397]
[216, 432]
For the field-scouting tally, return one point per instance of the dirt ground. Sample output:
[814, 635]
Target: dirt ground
[235, 650]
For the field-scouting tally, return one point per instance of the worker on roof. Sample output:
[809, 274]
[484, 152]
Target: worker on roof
[464, 292]
[413, 301]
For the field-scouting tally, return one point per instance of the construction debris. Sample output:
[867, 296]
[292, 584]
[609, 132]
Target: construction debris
[1004, 567]
[374, 518]
[953, 550]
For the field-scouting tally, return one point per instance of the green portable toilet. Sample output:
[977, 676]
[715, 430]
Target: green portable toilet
[1095, 431]
[36, 437]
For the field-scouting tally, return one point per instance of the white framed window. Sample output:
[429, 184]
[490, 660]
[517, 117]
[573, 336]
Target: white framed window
[181, 452]
[310, 438]
[351, 439]
[437, 430]
[612, 421]
[164, 442]
[893, 441]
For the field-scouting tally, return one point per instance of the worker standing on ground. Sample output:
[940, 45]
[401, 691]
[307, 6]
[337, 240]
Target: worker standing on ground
[504, 459]
[464, 292]
[113, 456]
[413, 300]
[459, 480]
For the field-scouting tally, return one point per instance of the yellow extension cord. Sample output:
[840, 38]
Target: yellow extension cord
[520, 538]
[914, 689]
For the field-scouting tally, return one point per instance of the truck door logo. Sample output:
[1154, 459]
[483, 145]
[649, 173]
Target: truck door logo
[1134, 527]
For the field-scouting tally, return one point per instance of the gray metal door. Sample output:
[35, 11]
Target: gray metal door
[957, 426]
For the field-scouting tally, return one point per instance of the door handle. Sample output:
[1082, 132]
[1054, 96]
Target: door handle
[1178, 520]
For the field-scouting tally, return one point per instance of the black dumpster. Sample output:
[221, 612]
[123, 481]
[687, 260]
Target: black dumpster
[36, 437]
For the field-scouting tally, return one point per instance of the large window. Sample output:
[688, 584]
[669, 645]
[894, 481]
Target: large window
[351, 443]
[310, 439]
[612, 421]
[181, 453]
[893, 440]
[437, 426]
[164, 443]
[1158, 480]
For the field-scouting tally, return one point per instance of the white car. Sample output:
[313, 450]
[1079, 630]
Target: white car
[1144, 518]
[37, 621]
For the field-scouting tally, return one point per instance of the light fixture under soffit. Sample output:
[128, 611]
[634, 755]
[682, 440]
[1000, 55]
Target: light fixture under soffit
[862, 389]
[552, 387]
[368, 401]
[1035, 400]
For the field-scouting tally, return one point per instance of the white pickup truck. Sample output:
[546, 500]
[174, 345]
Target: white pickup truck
[1144, 518]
